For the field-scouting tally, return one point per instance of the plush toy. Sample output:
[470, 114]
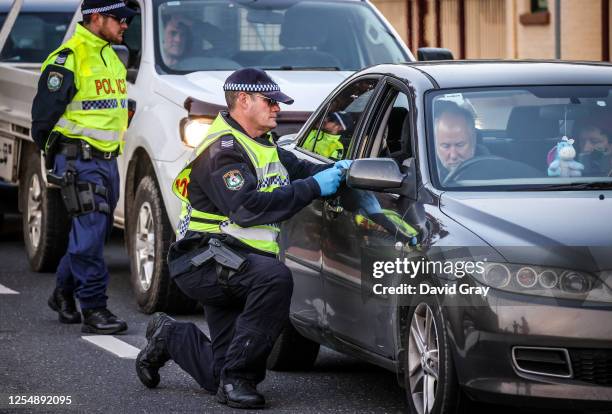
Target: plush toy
[564, 165]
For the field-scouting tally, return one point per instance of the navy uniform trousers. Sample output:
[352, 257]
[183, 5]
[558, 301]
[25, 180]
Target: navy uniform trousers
[244, 323]
[82, 269]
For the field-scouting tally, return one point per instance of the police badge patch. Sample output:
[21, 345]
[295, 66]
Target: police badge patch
[54, 81]
[233, 180]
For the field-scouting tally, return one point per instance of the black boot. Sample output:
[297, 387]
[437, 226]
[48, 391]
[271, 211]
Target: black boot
[239, 393]
[101, 321]
[63, 304]
[155, 354]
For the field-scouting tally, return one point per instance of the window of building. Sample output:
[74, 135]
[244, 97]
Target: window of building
[539, 6]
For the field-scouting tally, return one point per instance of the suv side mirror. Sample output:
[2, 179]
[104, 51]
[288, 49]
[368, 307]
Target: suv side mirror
[434, 53]
[123, 53]
[382, 175]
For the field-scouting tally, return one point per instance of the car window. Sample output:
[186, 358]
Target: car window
[34, 36]
[332, 133]
[531, 136]
[132, 38]
[273, 35]
[391, 135]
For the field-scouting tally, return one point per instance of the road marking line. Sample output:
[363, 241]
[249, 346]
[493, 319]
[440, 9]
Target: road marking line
[6, 291]
[114, 345]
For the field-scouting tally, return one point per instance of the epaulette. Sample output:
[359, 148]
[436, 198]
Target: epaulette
[227, 142]
[62, 56]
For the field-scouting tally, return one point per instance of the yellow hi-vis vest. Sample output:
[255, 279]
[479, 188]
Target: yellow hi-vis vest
[98, 112]
[271, 174]
[325, 144]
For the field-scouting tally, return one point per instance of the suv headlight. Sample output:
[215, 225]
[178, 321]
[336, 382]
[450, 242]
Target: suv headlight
[193, 130]
[545, 281]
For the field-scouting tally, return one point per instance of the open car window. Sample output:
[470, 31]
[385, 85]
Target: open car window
[331, 135]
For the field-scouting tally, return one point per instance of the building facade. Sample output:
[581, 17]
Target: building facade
[507, 29]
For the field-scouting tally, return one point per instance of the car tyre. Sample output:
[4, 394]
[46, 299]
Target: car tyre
[150, 236]
[429, 373]
[292, 351]
[45, 221]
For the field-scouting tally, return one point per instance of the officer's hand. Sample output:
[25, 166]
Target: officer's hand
[346, 164]
[328, 180]
[368, 202]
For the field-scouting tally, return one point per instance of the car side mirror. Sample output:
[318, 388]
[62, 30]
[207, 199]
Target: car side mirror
[383, 175]
[123, 53]
[434, 53]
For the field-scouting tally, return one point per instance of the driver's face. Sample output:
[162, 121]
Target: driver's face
[455, 141]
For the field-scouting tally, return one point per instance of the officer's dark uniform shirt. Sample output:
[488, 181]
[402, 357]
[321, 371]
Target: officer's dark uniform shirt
[246, 206]
[49, 105]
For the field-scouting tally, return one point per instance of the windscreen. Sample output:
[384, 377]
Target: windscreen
[554, 137]
[274, 35]
[34, 36]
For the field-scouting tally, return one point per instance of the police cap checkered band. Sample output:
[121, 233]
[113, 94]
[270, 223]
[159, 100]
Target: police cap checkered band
[255, 80]
[103, 9]
[250, 87]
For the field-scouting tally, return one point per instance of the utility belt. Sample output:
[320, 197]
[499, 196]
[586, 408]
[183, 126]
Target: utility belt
[189, 254]
[79, 197]
[72, 148]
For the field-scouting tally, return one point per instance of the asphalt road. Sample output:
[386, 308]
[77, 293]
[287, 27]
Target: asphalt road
[40, 356]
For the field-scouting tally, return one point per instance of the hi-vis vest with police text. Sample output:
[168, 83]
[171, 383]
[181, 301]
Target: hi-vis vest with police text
[98, 111]
[271, 174]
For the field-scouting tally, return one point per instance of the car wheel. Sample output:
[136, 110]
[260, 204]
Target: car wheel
[429, 373]
[45, 222]
[150, 236]
[292, 351]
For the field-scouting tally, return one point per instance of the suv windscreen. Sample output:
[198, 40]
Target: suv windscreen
[545, 137]
[34, 36]
[274, 35]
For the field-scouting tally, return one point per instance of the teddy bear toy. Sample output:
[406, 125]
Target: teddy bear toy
[564, 164]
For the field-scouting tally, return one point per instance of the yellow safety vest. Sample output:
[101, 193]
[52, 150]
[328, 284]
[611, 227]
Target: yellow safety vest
[325, 144]
[271, 174]
[98, 112]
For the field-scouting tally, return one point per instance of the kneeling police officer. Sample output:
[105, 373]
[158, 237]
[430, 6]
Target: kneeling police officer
[235, 192]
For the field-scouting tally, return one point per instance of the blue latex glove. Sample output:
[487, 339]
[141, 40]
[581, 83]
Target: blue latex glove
[369, 203]
[328, 180]
[343, 164]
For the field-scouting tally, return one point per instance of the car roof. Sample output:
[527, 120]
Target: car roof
[42, 5]
[483, 73]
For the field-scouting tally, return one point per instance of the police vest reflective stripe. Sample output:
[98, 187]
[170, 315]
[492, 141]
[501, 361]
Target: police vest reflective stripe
[98, 134]
[98, 111]
[270, 172]
[325, 144]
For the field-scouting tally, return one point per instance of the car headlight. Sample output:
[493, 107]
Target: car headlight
[193, 130]
[545, 281]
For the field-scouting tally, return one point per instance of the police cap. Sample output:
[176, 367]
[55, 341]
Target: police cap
[255, 80]
[115, 8]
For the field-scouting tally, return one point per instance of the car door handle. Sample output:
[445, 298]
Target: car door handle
[333, 207]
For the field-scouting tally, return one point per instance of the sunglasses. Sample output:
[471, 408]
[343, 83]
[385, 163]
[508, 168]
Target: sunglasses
[115, 18]
[271, 102]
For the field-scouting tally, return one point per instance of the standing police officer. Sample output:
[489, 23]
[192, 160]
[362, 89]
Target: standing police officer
[235, 192]
[79, 117]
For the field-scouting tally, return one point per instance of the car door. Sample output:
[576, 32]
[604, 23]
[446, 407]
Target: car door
[362, 227]
[326, 139]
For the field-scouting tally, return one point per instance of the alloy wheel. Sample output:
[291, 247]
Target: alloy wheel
[145, 246]
[34, 211]
[423, 358]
